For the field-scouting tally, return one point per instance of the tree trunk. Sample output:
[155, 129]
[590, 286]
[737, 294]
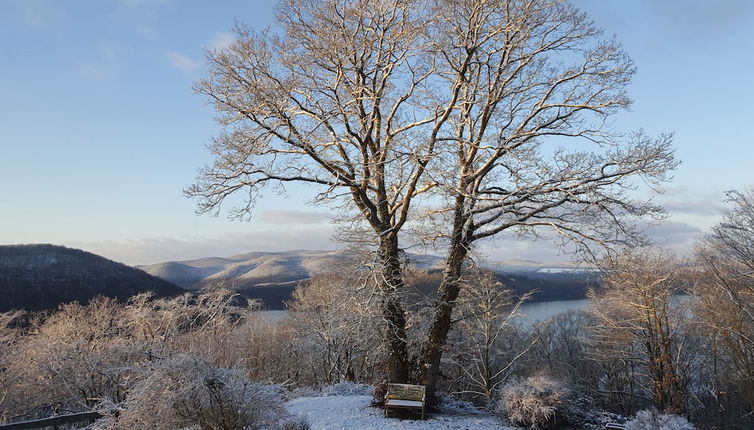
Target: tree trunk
[391, 287]
[447, 294]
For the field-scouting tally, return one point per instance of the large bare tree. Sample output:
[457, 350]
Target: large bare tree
[529, 145]
[337, 100]
[400, 107]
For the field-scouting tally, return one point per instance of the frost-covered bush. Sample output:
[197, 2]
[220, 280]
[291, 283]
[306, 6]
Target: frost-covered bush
[652, 420]
[188, 392]
[378, 394]
[450, 404]
[537, 402]
[347, 389]
[67, 362]
[333, 328]
[296, 423]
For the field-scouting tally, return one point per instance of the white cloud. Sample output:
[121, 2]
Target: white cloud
[180, 62]
[155, 250]
[221, 41]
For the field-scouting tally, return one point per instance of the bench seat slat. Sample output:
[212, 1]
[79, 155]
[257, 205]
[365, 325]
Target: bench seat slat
[404, 403]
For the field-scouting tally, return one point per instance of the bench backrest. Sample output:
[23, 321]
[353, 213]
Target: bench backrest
[405, 392]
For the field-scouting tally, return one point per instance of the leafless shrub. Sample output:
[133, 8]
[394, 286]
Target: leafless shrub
[187, 391]
[335, 332]
[652, 420]
[564, 348]
[75, 359]
[486, 345]
[537, 402]
[10, 361]
[82, 356]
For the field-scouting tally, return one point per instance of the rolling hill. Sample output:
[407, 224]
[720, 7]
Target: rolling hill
[36, 277]
[245, 270]
[272, 276]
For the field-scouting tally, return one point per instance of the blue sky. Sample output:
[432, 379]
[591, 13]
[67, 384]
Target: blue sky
[100, 130]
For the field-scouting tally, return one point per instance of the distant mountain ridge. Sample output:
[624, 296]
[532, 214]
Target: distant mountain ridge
[245, 270]
[42, 276]
[272, 276]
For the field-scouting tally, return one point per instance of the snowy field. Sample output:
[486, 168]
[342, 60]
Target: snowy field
[354, 412]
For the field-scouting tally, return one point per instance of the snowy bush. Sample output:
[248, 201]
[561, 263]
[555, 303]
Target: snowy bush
[652, 420]
[378, 394]
[537, 402]
[347, 389]
[187, 392]
[450, 404]
[296, 423]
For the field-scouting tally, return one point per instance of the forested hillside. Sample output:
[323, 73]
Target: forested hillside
[35, 277]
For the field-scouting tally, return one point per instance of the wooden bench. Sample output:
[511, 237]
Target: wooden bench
[405, 396]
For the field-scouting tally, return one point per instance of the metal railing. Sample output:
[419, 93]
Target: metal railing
[82, 417]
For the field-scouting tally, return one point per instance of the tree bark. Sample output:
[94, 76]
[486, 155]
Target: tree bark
[447, 293]
[391, 287]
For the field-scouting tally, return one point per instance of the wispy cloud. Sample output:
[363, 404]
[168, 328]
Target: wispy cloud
[695, 207]
[38, 13]
[511, 248]
[294, 217]
[155, 250]
[180, 62]
[141, 15]
[716, 17]
[137, 3]
[701, 204]
[674, 233]
[105, 67]
[221, 41]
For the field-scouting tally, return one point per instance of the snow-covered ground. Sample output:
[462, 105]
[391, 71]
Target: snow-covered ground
[353, 412]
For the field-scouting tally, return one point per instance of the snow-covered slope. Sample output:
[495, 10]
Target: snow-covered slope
[247, 269]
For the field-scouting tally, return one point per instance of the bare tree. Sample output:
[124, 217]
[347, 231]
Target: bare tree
[725, 295]
[390, 105]
[563, 348]
[333, 326]
[487, 348]
[338, 101]
[639, 323]
[529, 144]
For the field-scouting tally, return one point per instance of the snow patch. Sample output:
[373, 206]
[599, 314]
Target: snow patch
[355, 412]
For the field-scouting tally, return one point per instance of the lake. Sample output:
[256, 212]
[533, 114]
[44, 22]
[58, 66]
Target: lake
[532, 312]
